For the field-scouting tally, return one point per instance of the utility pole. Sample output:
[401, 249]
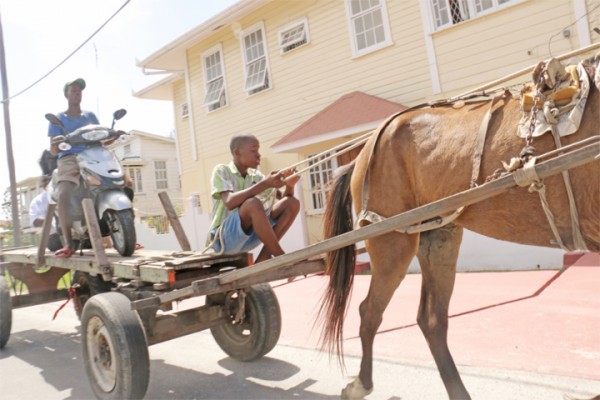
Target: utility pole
[9, 152]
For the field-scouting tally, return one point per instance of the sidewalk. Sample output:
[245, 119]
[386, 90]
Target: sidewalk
[545, 322]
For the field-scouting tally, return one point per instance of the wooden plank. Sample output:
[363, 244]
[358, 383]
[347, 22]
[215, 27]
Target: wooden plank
[212, 285]
[37, 281]
[173, 325]
[96, 238]
[174, 221]
[207, 259]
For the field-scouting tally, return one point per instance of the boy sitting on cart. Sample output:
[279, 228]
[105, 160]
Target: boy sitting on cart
[248, 208]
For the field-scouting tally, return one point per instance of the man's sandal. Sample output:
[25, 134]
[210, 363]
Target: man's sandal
[65, 252]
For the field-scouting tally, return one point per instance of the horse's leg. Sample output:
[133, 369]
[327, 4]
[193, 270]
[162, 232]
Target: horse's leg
[438, 252]
[390, 256]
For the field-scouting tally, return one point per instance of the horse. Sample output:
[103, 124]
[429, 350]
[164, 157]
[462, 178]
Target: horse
[426, 154]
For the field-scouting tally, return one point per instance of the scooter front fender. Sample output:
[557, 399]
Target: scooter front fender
[112, 200]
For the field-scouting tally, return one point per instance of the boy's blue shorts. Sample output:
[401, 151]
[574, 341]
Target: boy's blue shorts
[234, 238]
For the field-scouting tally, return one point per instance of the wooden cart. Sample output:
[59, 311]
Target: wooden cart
[125, 304]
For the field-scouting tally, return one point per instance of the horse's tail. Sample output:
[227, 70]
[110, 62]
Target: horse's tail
[340, 263]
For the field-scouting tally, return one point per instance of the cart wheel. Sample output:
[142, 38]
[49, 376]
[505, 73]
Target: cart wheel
[115, 349]
[86, 287]
[5, 312]
[259, 330]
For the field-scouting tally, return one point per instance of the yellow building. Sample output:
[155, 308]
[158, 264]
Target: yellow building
[306, 75]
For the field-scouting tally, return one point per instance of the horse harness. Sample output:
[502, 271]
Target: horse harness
[522, 167]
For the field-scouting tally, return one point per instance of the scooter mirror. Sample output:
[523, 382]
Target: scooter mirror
[53, 119]
[119, 114]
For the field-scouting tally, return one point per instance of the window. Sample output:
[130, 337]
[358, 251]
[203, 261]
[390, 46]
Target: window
[160, 174]
[293, 36]
[320, 176]
[369, 25]
[135, 173]
[255, 58]
[214, 79]
[127, 149]
[451, 12]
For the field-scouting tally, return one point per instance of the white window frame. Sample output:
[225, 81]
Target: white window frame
[469, 10]
[322, 174]
[161, 177]
[135, 173]
[249, 64]
[387, 41]
[221, 100]
[286, 47]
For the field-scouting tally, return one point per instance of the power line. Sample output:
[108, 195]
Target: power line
[568, 26]
[69, 56]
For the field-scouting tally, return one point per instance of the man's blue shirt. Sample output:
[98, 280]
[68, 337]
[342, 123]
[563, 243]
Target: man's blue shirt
[71, 124]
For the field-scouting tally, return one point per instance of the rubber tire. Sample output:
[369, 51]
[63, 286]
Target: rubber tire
[5, 312]
[109, 327]
[122, 230]
[88, 286]
[262, 319]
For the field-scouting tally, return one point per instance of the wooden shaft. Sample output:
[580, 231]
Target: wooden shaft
[96, 238]
[174, 221]
[548, 168]
[291, 264]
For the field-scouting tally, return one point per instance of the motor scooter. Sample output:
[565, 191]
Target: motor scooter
[101, 179]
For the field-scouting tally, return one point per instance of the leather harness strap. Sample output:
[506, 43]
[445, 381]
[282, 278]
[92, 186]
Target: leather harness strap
[481, 135]
[370, 216]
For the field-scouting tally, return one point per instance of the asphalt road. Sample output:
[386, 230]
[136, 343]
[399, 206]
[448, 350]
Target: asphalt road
[42, 360]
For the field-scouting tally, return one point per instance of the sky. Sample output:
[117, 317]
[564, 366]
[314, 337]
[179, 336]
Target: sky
[39, 34]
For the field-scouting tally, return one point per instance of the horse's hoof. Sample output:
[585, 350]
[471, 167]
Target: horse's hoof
[355, 390]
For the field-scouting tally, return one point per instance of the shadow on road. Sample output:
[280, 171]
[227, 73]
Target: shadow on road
[58, 358]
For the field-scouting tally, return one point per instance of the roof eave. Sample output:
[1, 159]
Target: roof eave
[160, 90]
[293, 147]
[171, 57]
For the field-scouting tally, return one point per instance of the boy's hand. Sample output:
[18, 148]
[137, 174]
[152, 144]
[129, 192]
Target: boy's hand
[290, 180]
[276, 179]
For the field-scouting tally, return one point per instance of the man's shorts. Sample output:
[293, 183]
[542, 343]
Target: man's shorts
[234, 238]
[68, 169]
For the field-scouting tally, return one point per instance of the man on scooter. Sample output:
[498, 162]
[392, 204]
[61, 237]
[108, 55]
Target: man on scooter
[68, 170]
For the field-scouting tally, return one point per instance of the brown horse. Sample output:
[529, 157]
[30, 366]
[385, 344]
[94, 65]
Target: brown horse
[422, 156]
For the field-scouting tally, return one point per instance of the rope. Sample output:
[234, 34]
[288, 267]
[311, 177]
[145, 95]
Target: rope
[540, 188]
[578, 241]
[69, 297]
[360, 140]
[527, 176]
[218, 236]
